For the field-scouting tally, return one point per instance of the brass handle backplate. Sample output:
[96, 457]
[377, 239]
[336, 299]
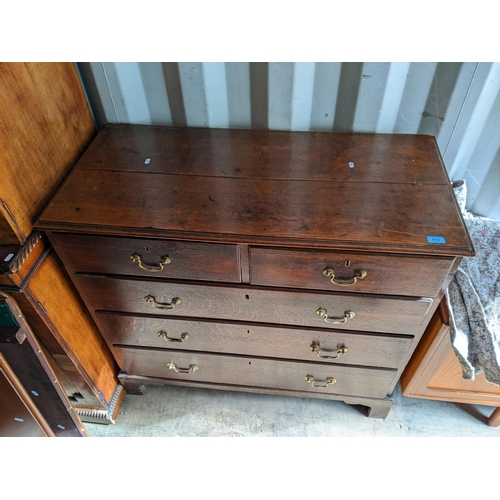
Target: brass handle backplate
[146, 267]
[162, 305]
[166, 338]
[173, 366]
[340, 350]
[328, 381]
[359, 275]
[337, 321]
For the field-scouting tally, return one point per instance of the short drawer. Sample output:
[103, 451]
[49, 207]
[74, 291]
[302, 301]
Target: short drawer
[148, 257]
[313, 345]
[239, 303]
[256, 372]
[352, 272]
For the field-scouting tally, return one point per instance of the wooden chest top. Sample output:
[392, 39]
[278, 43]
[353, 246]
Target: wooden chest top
[369, 192]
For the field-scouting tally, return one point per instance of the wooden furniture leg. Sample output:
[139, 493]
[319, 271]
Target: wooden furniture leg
[494, 420]
[380, 410]
[434, 371]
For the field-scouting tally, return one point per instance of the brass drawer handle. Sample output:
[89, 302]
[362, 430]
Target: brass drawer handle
[162, 305]
[315, 348]
[166, 338]
[328, 381]
[337, 321]
[146, 267]
[173, 366]
[344, 282]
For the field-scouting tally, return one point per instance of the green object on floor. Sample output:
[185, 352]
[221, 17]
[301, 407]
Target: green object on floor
[6, 317]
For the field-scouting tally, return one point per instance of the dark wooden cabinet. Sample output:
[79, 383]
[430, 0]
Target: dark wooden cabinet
[33, 400]
[302, 264]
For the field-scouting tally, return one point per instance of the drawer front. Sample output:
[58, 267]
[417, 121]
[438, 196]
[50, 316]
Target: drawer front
[256, 372]
[113, 255]
[384, 274]
[386, 315]
[227, 338]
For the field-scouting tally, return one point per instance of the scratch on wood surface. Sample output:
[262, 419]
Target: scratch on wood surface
[399, 232]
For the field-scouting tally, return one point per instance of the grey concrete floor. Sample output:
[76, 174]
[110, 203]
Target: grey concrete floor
[171, 411]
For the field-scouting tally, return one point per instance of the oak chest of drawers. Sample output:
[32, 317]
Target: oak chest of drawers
[295, 263]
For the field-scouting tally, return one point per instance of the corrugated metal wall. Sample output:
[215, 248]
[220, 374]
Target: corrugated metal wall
[458, 103]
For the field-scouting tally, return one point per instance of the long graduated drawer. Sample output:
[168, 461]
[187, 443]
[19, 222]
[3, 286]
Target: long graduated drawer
[257, 372]
[312, 344]
[342, 311]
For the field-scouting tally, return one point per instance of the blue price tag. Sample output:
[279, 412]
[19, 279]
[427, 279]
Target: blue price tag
[436, 239]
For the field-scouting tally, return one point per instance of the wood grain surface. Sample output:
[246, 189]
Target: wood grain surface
[189, 260]
[56, 300]
[385, 274]
[264, 154]
[397, 217]
[375, 314]
[294, 203]
[46, 124]
[256, 372]
[384, 351]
